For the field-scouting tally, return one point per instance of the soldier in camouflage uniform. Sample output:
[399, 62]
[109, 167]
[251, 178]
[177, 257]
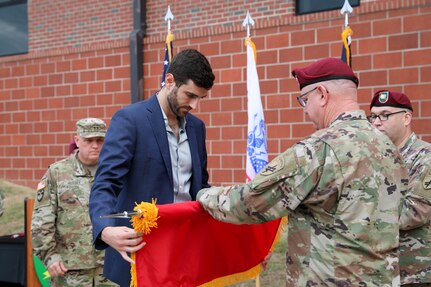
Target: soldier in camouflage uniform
[391, 113]
[61, 228]
[341, 188]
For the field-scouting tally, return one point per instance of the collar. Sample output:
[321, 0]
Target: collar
[349, 116]
[165, 118]
[80, 169]
[409, 143]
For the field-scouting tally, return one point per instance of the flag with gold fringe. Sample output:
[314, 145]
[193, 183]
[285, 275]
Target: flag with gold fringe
[346, 52]
[188, 248]
[168, 55]
[257, 149]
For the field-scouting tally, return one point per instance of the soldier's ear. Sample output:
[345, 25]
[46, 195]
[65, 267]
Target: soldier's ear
[324, 95]
[407, 118]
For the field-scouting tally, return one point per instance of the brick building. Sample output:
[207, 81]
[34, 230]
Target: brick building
[78, 65]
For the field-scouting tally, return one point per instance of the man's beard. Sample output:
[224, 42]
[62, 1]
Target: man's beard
[173, 103]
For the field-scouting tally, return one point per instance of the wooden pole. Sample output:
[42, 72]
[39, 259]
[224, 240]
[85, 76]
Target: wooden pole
[31, 277]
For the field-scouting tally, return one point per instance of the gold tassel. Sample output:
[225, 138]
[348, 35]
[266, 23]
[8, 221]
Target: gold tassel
[169, 39]
[344, 35]
[248, 40]
[144, 221]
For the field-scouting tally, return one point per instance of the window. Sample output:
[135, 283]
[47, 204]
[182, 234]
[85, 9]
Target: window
[311, 6]
[13, 27]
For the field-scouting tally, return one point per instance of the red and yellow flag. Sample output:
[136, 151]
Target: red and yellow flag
[189, 248]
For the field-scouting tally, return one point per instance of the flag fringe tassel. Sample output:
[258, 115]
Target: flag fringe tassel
[144, 221]
[347, 32]
[134, 278]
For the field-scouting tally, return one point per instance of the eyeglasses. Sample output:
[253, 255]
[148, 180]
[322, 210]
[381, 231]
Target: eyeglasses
[382, 117]
[303, 101]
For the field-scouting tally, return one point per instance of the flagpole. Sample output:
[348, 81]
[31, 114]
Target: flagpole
[347, 33]
[169, 17]
[169, 38]
[168, 49]
[248, 21]
[346, 10]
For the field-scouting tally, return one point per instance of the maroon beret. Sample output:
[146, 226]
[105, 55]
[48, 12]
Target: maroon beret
[324, 70]
[385, 98]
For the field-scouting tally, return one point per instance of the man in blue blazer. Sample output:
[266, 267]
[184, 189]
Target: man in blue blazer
[153, 149]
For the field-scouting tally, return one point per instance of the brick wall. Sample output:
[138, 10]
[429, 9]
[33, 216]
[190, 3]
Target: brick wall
[391, 49]
[78, 66]
[57, 24]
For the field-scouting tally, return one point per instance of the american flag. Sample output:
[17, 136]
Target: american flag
[168, 55]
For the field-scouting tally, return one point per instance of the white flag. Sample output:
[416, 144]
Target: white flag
[257, 149]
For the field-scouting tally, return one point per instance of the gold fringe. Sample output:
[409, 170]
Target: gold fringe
[147, 219]
[134, 278]
[169, 39]
[344, 35]
[248, 40]
[252, 272]
[144, 221]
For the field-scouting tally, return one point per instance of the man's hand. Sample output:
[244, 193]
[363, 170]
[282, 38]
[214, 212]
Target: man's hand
[265, 261]
[57, 269]
[123, 239]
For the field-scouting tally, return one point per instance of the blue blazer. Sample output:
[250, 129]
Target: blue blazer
[134, 166]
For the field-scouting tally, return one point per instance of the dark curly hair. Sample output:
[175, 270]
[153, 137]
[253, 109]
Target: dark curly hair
[190, 64]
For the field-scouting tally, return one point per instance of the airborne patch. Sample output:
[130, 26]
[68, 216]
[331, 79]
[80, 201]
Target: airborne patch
[273, 167]
[427, 181]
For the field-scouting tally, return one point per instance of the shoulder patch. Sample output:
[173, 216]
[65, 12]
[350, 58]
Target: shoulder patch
[426, 183]
[273, 167]
[40, 194]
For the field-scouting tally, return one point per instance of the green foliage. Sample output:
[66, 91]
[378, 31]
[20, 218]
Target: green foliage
[12, 220]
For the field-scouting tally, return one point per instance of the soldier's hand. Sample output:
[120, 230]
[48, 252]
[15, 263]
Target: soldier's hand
[265, 261]
[57, 269]
[123, 239]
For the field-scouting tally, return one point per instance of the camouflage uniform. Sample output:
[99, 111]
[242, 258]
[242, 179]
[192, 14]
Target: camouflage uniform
[415, 244]
[341, 188]
[61, 227]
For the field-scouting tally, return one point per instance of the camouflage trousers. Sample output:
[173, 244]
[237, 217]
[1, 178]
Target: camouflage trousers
[83, 278]
[417, 285]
